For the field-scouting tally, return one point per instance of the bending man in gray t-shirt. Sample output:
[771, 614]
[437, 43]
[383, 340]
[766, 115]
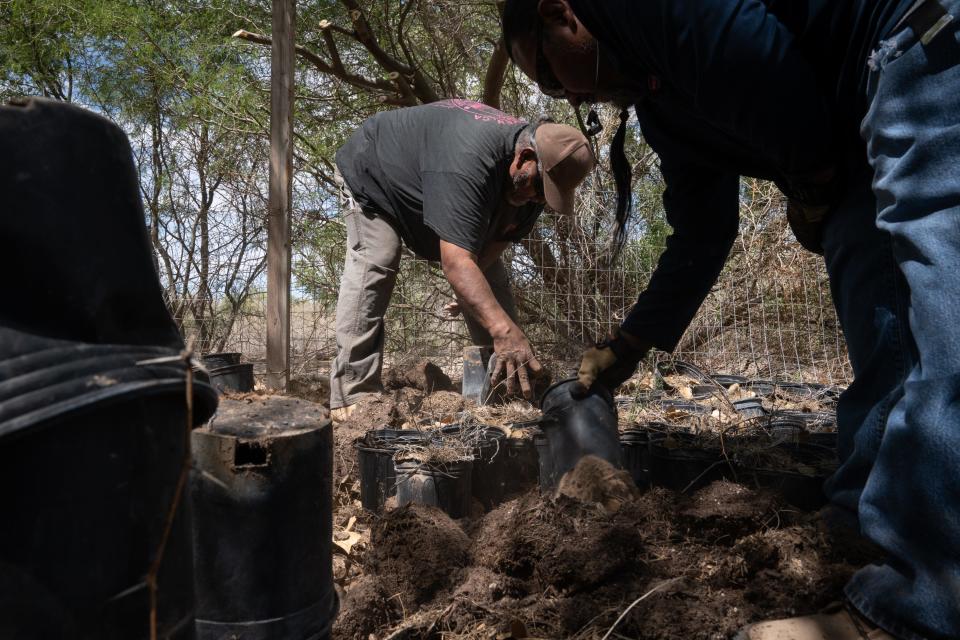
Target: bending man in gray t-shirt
[456, 181]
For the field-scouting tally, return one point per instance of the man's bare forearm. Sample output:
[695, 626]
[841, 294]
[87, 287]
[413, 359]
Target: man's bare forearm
[491, 253]
[473, 291]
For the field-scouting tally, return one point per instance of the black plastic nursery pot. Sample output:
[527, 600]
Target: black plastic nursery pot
[684, 406]
[489, 458]
[490, 467]
[802, 491]
[263, 522]
[574, 427]
[635, 452]
[749, 408]
[237, 378]
[93, 421]
[815, 420]
[728, 380]
[443, 485]
[375, 453]
[676, 462]
[546, 477]
[522, 467]
[679, 367]
[787, 428]
[762, 388]
[797, 390]
[704, 391]
[224, 359]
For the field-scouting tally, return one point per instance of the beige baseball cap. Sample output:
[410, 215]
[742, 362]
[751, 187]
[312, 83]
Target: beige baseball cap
[566, 159]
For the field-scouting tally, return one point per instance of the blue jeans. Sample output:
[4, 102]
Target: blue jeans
[893, 254]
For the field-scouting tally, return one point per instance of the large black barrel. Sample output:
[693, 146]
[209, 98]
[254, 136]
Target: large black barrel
[577, 426]
[92, 396]
[263, 520]
[85, 498]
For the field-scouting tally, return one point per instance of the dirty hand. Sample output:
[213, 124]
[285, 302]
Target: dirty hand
[452, 309]
[515, 359]
[610, 362]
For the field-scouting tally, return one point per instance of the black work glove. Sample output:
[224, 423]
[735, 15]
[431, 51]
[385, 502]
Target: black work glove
[610, 363]
[806, 222]
[809, 203]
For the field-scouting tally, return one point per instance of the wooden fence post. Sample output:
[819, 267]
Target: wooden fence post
[281, 194]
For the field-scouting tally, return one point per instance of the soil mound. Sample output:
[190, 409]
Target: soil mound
[424, 375]
[364, 609]
[415, 549]
[376, 411]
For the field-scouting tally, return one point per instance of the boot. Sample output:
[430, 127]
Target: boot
[838, 621]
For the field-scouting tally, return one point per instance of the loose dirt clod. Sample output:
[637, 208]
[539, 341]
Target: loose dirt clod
[424, 375]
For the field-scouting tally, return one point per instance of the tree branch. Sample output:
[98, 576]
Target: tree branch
[321, 64]
[364, 35]
[496, 74]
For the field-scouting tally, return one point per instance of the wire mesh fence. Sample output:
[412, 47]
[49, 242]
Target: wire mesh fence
[770, 314]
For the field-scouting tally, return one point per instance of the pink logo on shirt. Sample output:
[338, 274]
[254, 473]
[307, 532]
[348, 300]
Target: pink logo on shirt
[480, 111]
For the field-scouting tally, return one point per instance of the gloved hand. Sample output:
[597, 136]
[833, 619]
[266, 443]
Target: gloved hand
[810, 199]
[610, 362]
[806, 222]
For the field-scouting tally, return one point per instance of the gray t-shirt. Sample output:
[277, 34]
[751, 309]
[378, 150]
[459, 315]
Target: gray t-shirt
[438, 171]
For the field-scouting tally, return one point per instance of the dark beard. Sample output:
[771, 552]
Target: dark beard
[519, 180]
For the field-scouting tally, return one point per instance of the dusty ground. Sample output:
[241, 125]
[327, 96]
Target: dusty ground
[568, 566]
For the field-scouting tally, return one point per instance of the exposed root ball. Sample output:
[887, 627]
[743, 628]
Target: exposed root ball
[565, 545]
[596, 481]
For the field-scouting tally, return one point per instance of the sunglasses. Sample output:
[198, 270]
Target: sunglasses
[546, 80]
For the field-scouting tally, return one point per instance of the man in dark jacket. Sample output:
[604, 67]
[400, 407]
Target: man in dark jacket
[853, 109]
[455, 181]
